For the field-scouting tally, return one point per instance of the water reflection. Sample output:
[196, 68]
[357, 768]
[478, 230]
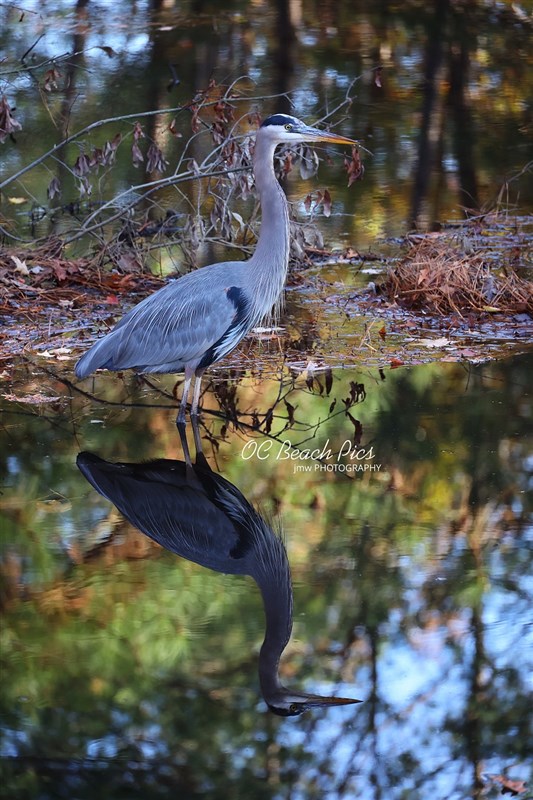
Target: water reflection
[199, 515]
[446, 69]
[132, 675]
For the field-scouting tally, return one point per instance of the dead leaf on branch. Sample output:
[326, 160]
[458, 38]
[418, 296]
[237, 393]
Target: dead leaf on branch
[195, 119]
[54, 188]
[290, 411]
[224, 111]
[138, 132]
[287, 164]
[354, 167]
[357, 392]
[329, 380]
[84, 187]
[308, 161]
[136, 154]
[358, 428]
[8, 125]
[82, 165]
[50, 80]
[173, 130]
[268, 420]
[155, 160]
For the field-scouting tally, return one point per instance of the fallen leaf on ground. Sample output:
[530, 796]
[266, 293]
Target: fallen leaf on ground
[433, 342]
[32, 399]
[20, 266]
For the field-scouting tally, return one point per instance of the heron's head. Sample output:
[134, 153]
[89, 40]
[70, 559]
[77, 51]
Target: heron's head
[291, 704]
[282, 128]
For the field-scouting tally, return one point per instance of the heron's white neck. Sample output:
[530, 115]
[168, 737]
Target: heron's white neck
[269, 263]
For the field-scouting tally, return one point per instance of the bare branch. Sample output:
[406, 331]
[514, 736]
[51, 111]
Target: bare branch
[98, 124]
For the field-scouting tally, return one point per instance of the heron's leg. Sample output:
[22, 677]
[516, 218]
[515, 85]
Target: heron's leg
[185, 444]
[196, 395]
[200, 458]
[181, 419]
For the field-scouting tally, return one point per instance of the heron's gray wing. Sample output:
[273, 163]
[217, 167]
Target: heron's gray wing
[177, 325]
[167, 503]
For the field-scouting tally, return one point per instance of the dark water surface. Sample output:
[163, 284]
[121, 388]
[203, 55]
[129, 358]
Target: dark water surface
[130, 672]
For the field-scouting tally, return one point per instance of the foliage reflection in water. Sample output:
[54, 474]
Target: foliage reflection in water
[129, 670]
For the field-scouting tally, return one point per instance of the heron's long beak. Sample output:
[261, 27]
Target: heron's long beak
[314, 700]
[316, 135]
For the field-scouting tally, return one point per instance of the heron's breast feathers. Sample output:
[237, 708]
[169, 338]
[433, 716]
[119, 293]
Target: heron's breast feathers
[242, 320]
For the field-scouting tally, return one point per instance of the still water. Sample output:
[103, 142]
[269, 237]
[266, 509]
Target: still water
[131, 672]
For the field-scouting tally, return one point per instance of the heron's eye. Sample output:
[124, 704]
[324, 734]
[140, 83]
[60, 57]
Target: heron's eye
[293, 708]
[288, 126]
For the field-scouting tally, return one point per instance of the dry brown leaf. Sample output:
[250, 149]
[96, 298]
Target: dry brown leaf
[20, 266]
[31, 399]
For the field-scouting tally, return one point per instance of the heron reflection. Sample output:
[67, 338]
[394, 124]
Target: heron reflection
[199, 515]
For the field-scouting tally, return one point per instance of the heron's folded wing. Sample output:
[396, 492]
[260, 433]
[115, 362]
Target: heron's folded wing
[179, 323]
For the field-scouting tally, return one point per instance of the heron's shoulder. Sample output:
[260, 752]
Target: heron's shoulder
[212, 276]
[209, 294]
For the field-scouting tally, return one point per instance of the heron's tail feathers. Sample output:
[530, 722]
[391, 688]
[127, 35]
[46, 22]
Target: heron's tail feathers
[100, 356]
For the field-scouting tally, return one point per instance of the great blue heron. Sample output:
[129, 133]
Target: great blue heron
[198, 319]
[202, 517]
